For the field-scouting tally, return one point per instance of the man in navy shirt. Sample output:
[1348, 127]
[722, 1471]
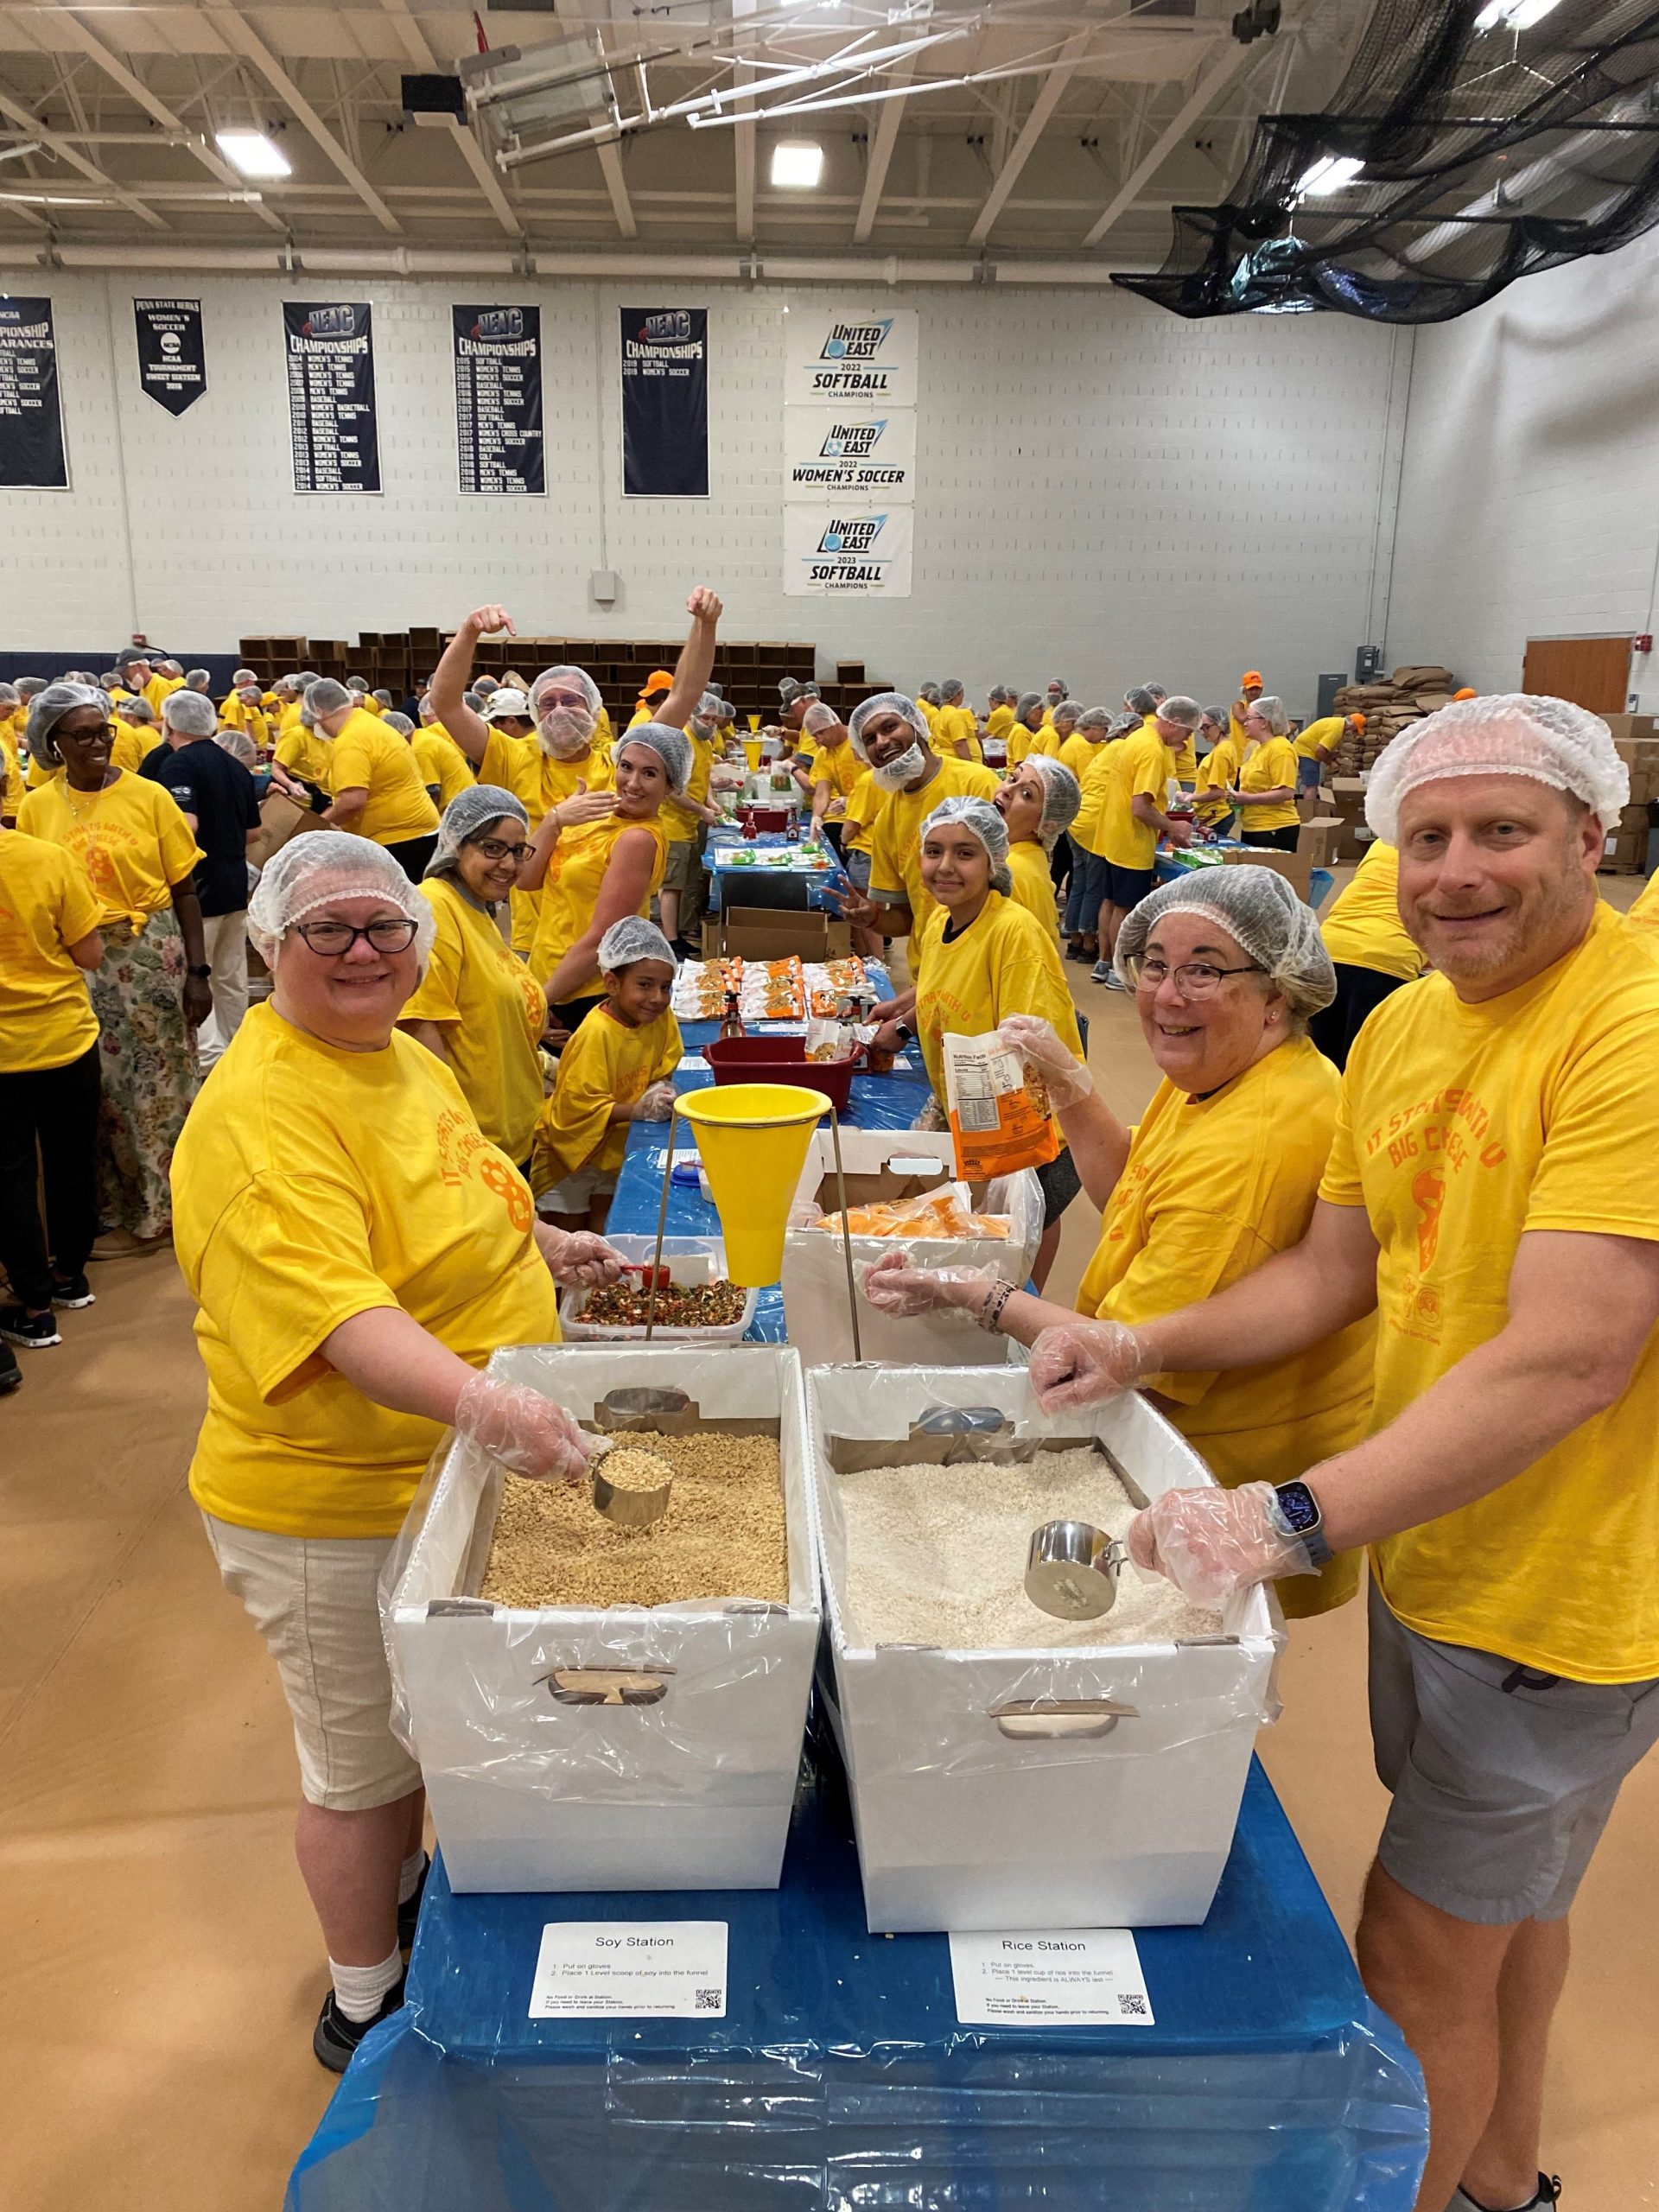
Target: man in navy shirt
[217, 797]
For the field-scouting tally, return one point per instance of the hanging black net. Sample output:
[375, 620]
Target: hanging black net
[1467, 146]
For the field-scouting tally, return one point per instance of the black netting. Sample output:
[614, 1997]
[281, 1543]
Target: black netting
[1484, 154]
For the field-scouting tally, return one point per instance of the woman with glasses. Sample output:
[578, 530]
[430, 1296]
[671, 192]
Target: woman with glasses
[477, 1006]
[1221, 1172]
[358, 1249]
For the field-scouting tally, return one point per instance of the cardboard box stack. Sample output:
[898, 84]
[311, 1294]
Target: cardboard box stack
[1407, 695]
[1635, 740]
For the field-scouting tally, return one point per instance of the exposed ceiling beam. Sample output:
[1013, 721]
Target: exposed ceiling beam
[244, 39]
[1026, 144]
[880, 153]
[421, 54]
[743, 150]
[1209, 87]
[610, 162]
[35, 128]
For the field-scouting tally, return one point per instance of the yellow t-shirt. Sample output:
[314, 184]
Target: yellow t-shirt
[1140, 765]
[46, 906]
[366, 756]
[1022, 740]
[1364, 928]
[536, 780]
[1463, 1127]
[369, 703]
[1034, 885]
[442, 764]
[1003, 962]
[930, 716]
[311, 1185]
[1646, 907]
[570, 893]
[864, 803]
[1079, 754]
[133, 743]
[605, 1064]
[1211, 1189]
[492, 1011]
[999, 721]
[252, 721]
[675, 815]
[955, 724]
[1326, 731]
[896, 838]
[1217, 775]
[840, 767]
[303, 753]
[12, 785]
[1270, 766]
[130, 839]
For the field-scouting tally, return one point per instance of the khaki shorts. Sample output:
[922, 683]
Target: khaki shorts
[316, 1600]
[683, 866]
[577, 1193]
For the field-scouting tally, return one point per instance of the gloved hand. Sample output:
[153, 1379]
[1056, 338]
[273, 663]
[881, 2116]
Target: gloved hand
[1211, 1542]
[892, 1285]
[932, 1116]
[585, 1260]
[655, 1104]
[527, 1433]
[1040, 1045]
[1084, 1363]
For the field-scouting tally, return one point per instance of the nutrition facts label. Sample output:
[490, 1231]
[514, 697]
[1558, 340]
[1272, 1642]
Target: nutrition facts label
[1063, 1977]
[31, 422]
[631, 1970]
[331, 405]
[498, 399]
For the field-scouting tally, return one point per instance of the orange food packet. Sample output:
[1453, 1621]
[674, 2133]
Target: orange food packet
[1000, 1119]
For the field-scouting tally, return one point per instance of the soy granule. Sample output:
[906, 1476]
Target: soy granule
[723, 1535]
[937, 1555]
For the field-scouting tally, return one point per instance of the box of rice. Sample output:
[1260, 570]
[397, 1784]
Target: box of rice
[1009, 1770]
[601, 1707]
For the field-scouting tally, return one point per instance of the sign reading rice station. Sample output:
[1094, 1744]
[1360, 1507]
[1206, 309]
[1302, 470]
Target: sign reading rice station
[869, 360]
[841, 553]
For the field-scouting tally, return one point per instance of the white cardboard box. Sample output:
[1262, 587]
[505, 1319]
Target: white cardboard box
[1097, 1786]
[688, 1784]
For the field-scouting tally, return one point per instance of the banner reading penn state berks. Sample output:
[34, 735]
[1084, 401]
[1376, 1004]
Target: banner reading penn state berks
[172, 355]
[31, 421]
[848, 552]
[498, 399]
[331, 408]
[666, 403]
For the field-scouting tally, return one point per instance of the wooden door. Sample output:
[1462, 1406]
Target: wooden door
[1595, 673]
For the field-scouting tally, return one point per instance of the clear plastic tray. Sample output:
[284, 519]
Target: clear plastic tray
[689, 1260]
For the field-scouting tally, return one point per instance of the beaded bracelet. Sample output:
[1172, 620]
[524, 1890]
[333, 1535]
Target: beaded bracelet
[990, 1313]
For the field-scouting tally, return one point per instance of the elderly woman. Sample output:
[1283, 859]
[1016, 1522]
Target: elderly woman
[1221, 1172]
[1039, 801]
[1265, 793]
[358, 1249]
[375, 785]
[477, 1006]
[151, 987]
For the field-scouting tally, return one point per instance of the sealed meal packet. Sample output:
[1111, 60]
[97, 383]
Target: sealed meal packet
[946, 1212]
[998, 1109]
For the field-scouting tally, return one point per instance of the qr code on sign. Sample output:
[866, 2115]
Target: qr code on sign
[708, 2001]
[1133, 2007]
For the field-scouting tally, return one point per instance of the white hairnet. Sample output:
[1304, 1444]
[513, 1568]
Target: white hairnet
[1139, 700]
[135, 709]
[1503, 734]
[238, 745]
[326, 697]
[573, 679]
[1272, 712]
[885, 703]
[48, 708]
[191, 713]
[981, 818]
[198, 678]
[502, 703]
[1062, 797]
[324, 865]
[817, 717]
[566, 733]
[952, 687]
[633, 939]
[671, 746]
[1179, 708]
[401, 723]
[1069, 708]
[1094, 718]
[1027, 701]
[468, 815]
[1263, 915]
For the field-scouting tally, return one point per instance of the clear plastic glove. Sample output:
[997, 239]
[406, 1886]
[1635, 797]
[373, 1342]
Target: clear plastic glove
[528, 1433]
[655, 1104]
[1211, 1542]
[1042, 1048]
[932, 1116]
[892, 1285]
[585, 1260]
[1084, 1363]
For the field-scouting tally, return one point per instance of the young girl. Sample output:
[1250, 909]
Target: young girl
[615, 1070]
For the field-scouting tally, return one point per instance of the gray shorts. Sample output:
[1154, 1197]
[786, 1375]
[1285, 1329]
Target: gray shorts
[1502, 1777]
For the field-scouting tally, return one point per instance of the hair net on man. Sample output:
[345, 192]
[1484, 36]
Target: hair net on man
[1123, 724]
[468, 815]
[48, 708]
[982, 819]
[819, 718]
[633, 939]
[1069, 709]
[1179, 708]
[567, 679]
[137, 710]
[322, 865]
[1501, 734]
[1272, 712]
[198, 678]
[885, 703]
[10, 697]
[325, 696]
[671, 746]
[1260, 912]
[401, 723]
[1094, 718]
[191, 713]
[1062, 797]
[239, 746]
[931, 693]
[1140, 701]
[951, 689]
[1027, 700]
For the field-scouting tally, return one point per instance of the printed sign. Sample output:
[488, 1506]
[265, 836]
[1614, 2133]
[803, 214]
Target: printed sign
[1066, 1977]
[498, 399]
[172, 356]
[869, 360]
[31, 419]
[849, 551]
[666, 403]
[849, 452]
[631, 1970]
[331, 410]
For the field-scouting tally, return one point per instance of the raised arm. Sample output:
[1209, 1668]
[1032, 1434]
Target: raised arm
[450, 678]
[696, 660]
[623, 891]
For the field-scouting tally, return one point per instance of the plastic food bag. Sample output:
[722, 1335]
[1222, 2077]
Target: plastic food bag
[946, 1211]
[999, 1110]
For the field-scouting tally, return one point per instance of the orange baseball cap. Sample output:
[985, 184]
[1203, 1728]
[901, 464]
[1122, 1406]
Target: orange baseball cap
[1357, 719]
[658, 680]
[1467, 692]
[1250, 675]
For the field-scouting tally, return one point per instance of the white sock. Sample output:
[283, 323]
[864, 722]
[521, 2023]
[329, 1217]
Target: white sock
[408, 1875]
[360, 1992]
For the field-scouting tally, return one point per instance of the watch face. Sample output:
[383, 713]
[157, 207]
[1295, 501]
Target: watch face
[1296, 1502]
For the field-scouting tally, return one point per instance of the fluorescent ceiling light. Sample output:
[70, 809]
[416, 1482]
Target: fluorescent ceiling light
[251, 154]
[1330, 173]
[1513, 15]
[797, 164]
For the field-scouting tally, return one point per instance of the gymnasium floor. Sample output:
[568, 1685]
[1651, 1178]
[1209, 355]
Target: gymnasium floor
[160, 1969]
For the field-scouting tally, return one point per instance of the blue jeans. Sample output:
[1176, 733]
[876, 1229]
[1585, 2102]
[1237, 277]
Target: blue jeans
[1087, 888]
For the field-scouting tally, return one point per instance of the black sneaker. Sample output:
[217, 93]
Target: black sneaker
[335, 2038]
[408, 1912]
[1548, 2193]
[70, 1293]
[19, 1326]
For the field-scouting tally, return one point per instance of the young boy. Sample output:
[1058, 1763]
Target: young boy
[616, 1069]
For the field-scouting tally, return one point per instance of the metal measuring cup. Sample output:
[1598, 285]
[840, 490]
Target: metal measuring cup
[1073, 1570]
[625, 1410]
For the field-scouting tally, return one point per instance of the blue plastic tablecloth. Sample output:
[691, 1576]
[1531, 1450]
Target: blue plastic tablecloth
[841, 2081]
[725, 880]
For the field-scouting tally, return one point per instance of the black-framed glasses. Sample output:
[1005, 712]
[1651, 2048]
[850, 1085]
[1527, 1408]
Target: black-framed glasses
[493, 849]
[333, 940]
[1194, 979]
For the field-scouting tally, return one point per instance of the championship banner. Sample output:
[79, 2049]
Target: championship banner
[31, 420]
[851, 452]
[172, 355]
[666, 403]
[498, 399]
[331, 410]
[867, 361]
[846, 552]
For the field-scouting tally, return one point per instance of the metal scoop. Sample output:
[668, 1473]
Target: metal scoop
[1071, 1570]
[627, 1509]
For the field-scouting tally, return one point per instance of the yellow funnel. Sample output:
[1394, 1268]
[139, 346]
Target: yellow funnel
[752, 1139]
[754, 722]
[752, 751]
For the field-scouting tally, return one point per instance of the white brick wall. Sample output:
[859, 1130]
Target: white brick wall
[1105, 491]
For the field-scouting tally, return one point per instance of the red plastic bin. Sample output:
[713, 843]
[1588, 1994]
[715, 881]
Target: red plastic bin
[764, 820]
[780, 1059]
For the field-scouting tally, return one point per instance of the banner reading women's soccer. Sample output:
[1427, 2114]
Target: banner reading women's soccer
[666, 403]
[172, 356]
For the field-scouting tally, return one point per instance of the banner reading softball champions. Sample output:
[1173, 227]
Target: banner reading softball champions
[331, 410]
[849, 432]
[31, 421]
[666, 403]
[171, 357]
[498, 399]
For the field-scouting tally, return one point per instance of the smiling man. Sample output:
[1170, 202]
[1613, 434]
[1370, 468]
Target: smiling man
[1487, 1193]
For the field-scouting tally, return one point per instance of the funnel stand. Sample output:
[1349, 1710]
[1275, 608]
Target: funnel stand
[846, 1235]
[662, 1224]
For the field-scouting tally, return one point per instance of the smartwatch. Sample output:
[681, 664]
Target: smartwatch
[206, 973]
[1302, 1516]
[905, 1031]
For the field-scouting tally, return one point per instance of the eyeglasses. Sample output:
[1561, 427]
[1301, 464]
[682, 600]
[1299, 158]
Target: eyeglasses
[1195, 979]
[493, 849]
[332, 940]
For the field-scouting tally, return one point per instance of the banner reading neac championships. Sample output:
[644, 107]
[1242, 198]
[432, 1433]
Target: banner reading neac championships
[849, 452]
[331, 408]
[31, 421]
[666, 403]
[869, 360]
[172, 355]
[498, 399]
[846, 552]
